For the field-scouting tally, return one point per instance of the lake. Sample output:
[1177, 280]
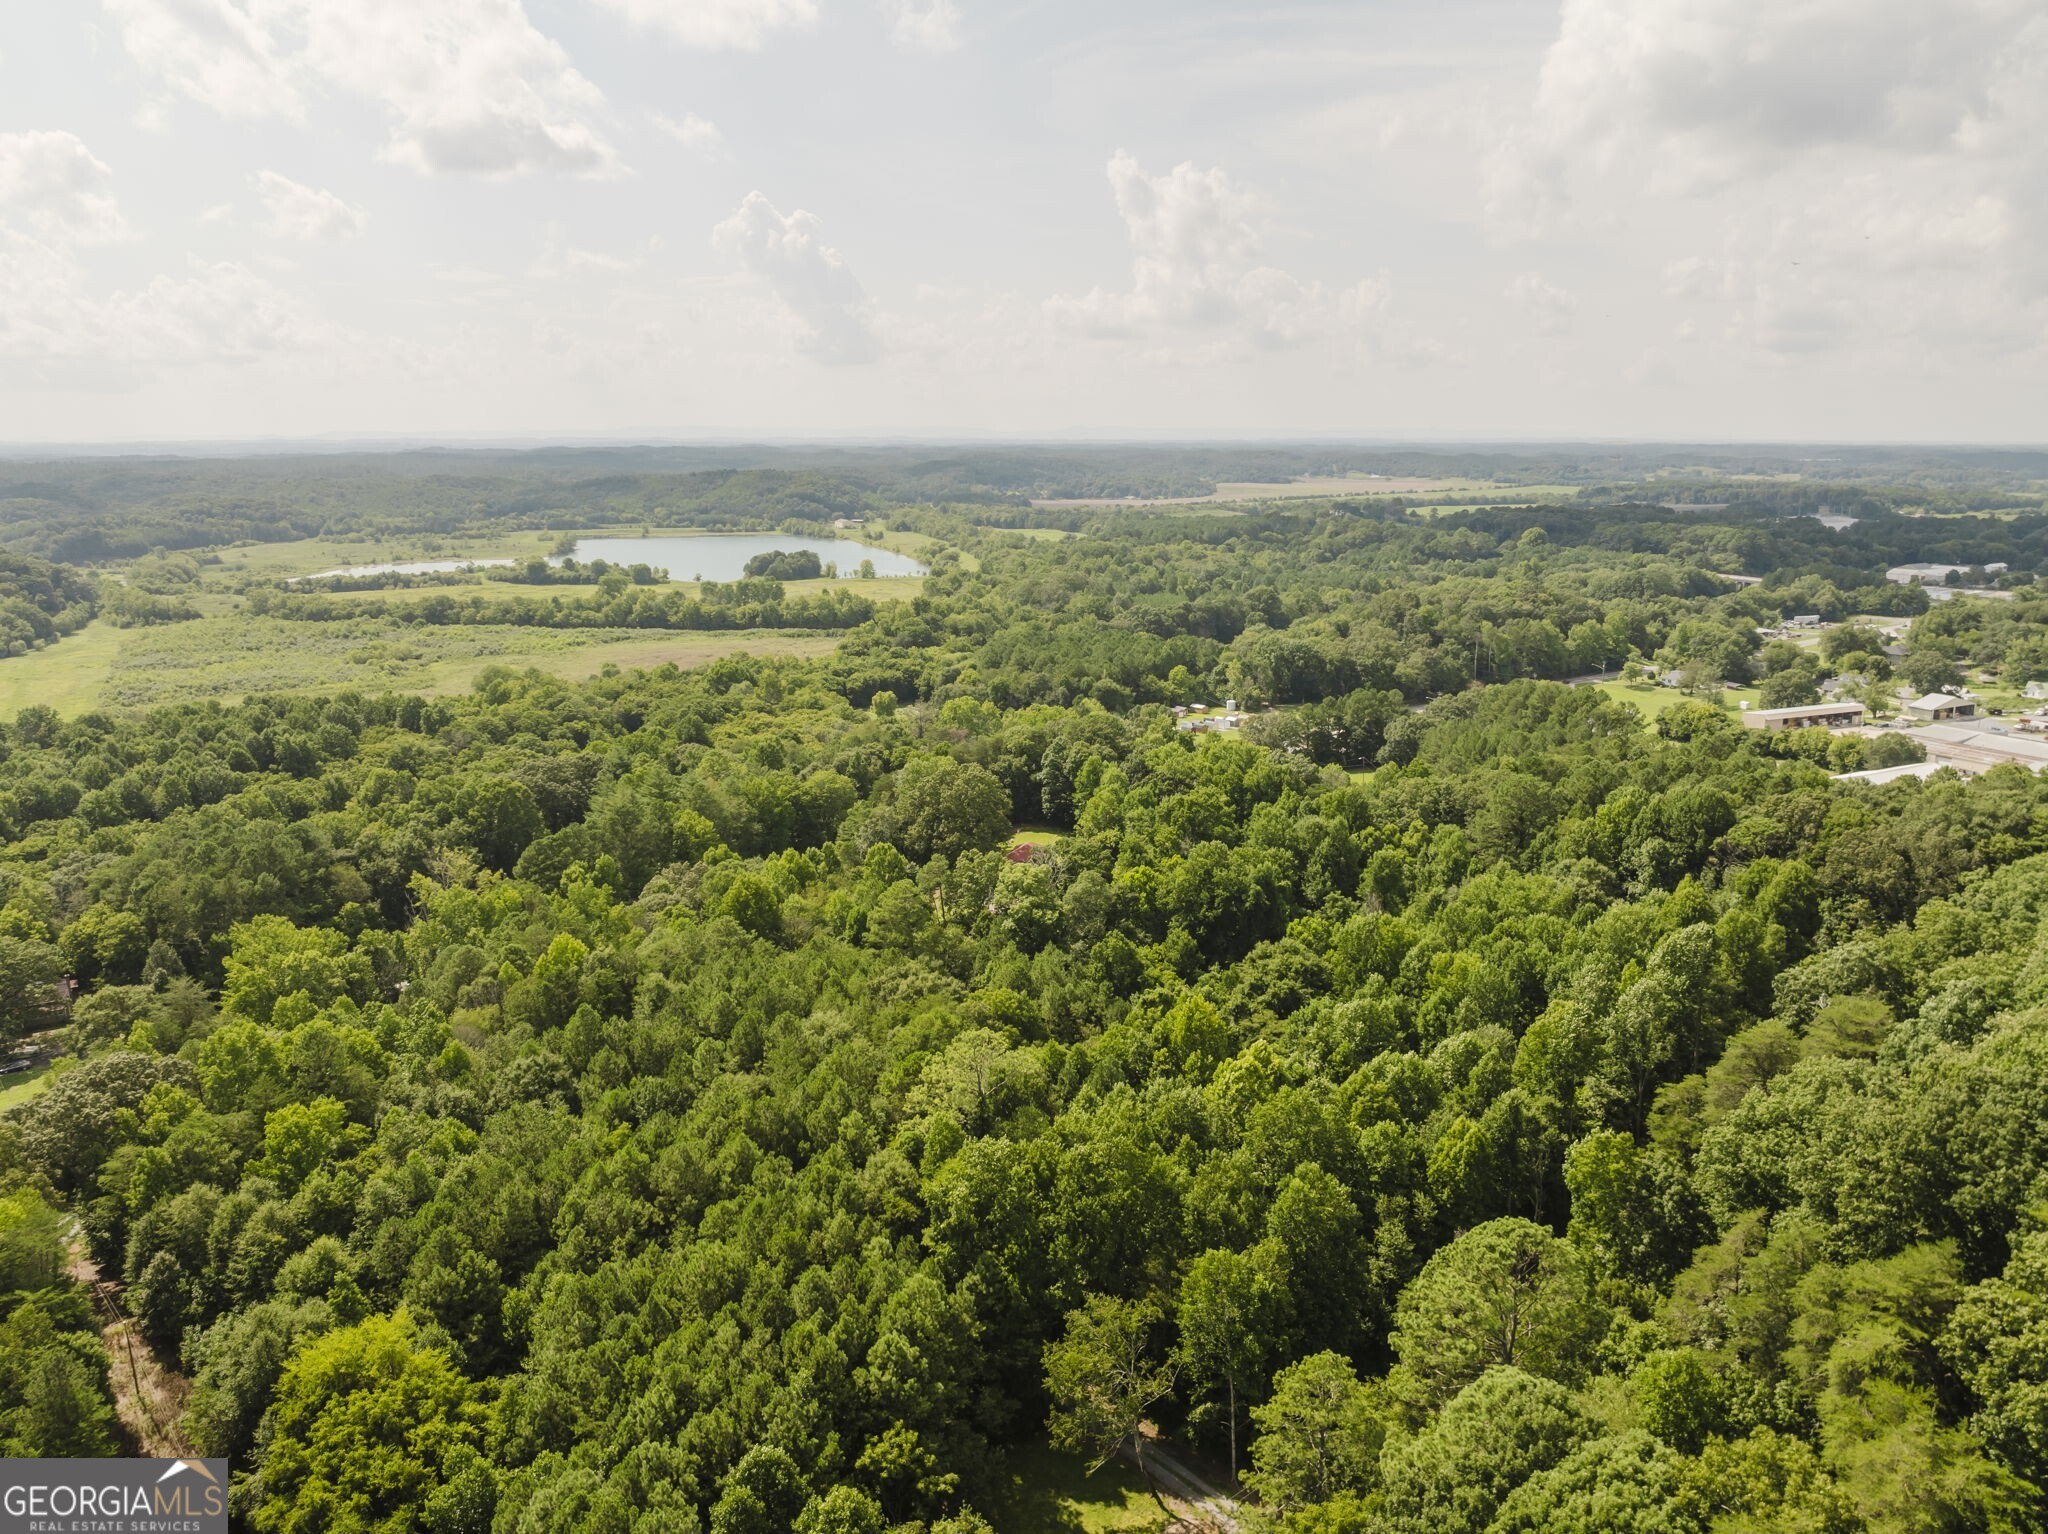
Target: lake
[711, 557]
[724, 556]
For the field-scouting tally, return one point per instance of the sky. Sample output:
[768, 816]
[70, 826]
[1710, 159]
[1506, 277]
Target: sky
[1766, 220]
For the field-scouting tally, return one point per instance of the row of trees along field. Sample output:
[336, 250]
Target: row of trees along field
[666, 1103]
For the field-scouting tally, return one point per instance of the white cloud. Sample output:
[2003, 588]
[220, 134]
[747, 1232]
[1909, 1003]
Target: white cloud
[1693, 95]
[923, 26]
[221, 312]
[472, 87]
[1734, 85]
[220, 53]
[58, 187]
[1195, 267]
[1872, 173]
[694, 133]
[559, 259]
[1552, 306]
[296, 212]
[717, 23]
[811, 279]
[54, 325]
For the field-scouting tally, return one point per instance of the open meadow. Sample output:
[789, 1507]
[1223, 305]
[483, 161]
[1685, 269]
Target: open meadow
[231, 656]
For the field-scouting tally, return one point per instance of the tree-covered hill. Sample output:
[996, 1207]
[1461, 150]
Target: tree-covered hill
[675, 1103]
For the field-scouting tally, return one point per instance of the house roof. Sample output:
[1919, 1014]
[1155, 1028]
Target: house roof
[1892, 774]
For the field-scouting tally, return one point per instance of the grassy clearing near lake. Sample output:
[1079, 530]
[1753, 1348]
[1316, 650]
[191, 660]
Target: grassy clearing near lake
[1045, 1492]
[229, 657]
[307, 555]
[883, 588]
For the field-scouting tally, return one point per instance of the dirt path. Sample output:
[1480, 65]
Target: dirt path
[148, 1398]
[1207, 1508]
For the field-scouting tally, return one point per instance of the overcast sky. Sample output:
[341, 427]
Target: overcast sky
[1764, 219]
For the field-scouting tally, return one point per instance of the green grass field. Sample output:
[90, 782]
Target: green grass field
[1652, 701]
[883, 588]
[24, 1088]
[68, 676]
[231, 656]
[1045, 1492]
[304, 557]
[279, 560]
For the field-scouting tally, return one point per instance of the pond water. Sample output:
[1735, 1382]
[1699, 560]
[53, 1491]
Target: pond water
[724, 556]
[712, 557]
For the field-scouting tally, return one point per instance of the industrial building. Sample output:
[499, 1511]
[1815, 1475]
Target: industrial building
[1838, 715]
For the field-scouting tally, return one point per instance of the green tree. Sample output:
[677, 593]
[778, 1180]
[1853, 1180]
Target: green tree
[54, 1400]
[1681, 1399]
[1626, 1485]
[1631, 1207]
[763, 1494]
[1228, 1316]
[31, 1240]
[1506, 1292]
[942, 808]
[29, 972]
[1770, 1483]
[1320, 1435]
[1103, 1375]
[1997, 1344]
[501, 817]
[1504, 1427]
[365, 1423]
[842, 1510]
[271, 958]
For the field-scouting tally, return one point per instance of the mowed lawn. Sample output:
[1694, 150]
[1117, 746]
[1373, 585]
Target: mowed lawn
[1045, 1492]
[29, 1085]
[1652, 701]
[68, 676]
[230, 656]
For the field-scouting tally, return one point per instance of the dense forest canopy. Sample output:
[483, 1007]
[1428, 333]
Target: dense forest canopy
[774, 1095]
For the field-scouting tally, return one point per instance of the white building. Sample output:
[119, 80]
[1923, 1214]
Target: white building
[1935, 575]
[1840, 715]
[1969, 749]
[1939, 706]
[1891, 774]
